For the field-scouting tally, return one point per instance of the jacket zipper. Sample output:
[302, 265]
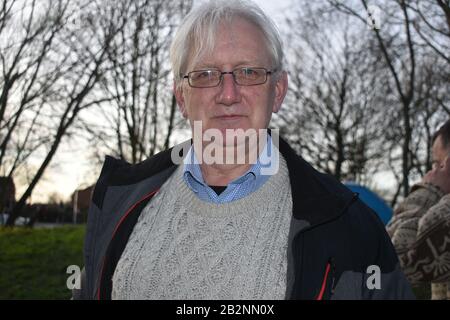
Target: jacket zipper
[329, 273]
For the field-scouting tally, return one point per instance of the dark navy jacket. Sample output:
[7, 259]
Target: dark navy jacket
[334, 239]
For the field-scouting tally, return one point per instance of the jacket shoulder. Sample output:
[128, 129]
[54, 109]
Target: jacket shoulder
[117, 172]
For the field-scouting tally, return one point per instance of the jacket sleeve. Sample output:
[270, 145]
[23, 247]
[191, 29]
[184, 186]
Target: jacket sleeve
[420, 232]
[87, 276]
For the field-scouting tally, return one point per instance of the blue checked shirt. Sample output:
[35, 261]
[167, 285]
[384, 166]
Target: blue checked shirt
[236, 189]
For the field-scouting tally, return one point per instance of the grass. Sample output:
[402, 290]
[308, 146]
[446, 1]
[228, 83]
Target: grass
[33, 262]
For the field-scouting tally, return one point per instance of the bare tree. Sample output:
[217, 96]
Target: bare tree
[26, 74]
[432, 25]
[367, 92]
[84, 66]
[334, 115]
[399, 53]
[142, 114]
[403, 55]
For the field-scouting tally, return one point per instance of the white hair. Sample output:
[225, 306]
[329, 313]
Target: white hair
[197, 32]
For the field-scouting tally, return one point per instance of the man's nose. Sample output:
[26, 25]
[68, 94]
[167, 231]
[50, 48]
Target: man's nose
[229, 91]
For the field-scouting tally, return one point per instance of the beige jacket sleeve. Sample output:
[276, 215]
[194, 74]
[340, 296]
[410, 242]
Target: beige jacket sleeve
[420, 232]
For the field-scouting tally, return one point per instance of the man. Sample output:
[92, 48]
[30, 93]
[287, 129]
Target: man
[420, 228]
[245, 219]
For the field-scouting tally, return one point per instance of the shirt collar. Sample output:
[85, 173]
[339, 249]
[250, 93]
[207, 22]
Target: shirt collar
[193, 175]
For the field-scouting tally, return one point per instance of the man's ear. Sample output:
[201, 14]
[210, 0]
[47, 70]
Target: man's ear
[178, 92]
[281, 87]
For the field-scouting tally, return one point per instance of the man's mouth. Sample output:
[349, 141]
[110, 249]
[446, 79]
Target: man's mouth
[229, 117]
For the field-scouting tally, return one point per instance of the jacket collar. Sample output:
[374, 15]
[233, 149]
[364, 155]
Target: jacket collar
[317, 198]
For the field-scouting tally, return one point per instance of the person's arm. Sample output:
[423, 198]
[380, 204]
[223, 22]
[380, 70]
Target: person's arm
[420, 232]
[420, 229]
[427, 257]
[404, 224]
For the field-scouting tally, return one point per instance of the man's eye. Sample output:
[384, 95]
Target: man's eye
[206, 74]
[250, 72]
[203, 74]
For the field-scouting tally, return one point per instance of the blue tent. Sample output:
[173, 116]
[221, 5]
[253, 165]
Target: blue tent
[372, 200]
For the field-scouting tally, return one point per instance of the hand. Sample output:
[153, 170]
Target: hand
[440, 176]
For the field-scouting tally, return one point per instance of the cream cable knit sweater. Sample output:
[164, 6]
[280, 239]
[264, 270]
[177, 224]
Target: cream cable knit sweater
[185, 248]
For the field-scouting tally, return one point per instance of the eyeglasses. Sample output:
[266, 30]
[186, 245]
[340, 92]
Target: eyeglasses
[246, 76]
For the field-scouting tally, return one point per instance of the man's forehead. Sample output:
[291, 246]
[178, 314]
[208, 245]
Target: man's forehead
[241, 56]
[246, 40]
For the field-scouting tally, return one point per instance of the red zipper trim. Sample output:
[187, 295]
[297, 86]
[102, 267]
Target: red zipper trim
[324, 282]
[115, 230]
